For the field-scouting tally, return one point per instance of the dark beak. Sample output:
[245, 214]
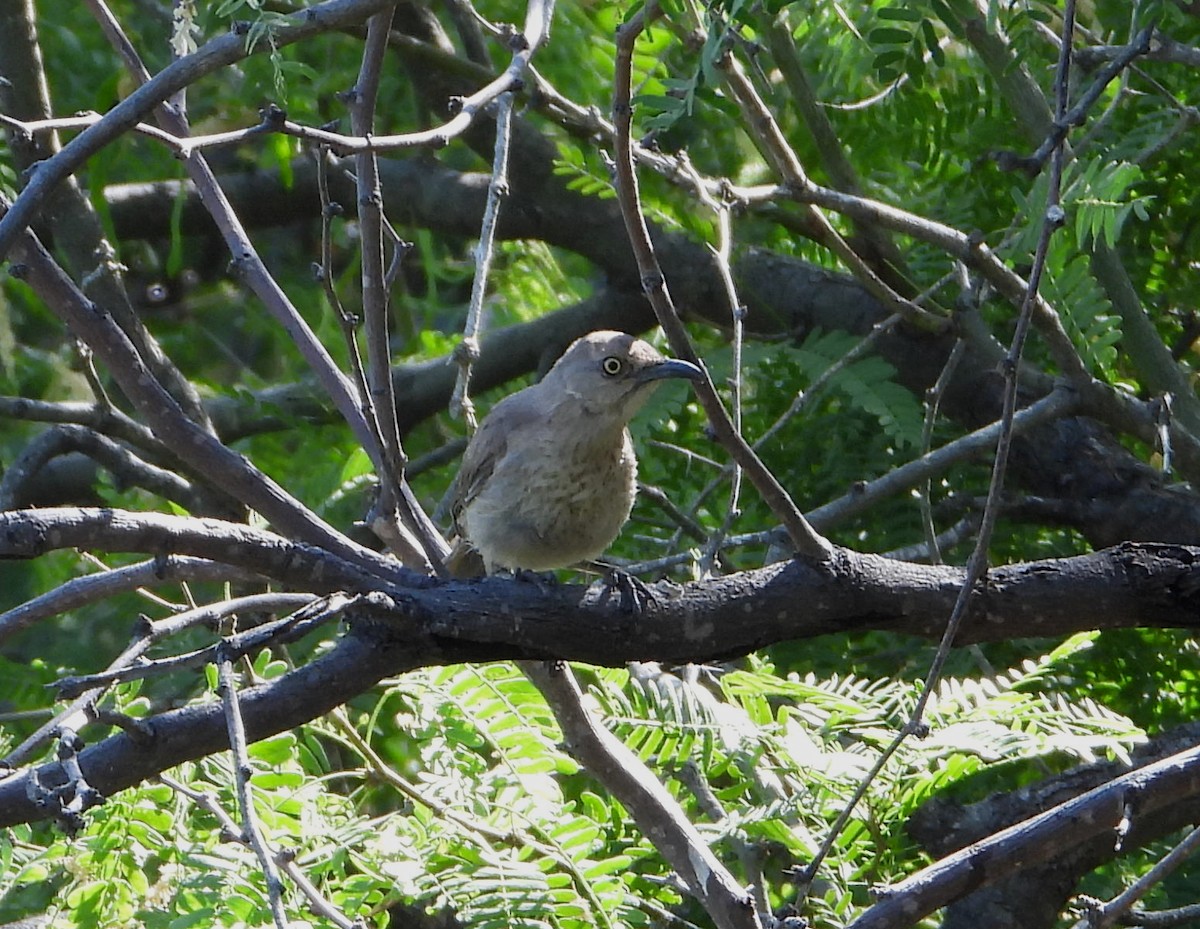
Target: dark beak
[670, 368]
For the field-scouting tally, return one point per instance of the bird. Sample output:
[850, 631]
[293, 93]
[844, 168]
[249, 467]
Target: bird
[550, 475]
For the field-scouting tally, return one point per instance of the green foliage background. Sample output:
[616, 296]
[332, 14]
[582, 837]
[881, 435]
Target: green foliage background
[448, 787]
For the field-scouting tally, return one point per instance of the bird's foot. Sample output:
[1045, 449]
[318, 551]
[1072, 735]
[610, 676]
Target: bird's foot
[635, 595]
[544, 582]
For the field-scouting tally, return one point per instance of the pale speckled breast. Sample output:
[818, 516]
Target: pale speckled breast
[551, 507]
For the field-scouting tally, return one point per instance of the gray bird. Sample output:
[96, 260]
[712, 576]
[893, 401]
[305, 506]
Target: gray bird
[549, 477]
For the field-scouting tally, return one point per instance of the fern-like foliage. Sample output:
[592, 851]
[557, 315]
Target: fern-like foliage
[869, 383]
[1083, 307]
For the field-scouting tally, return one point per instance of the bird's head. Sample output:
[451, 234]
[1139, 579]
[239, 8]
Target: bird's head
[613, 372]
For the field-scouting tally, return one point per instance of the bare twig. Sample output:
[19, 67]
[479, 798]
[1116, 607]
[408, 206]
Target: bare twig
[1077, 115]
[76, 714]
[804, 538]
[227, 688]
[538, 15]
[466, 353]
[1119, 907]
[932, 400]
[737, 312]
[380, 403]
[347, 320]
[81, 591]
[799, 402]
[398, 519]
[912, 473]
[309, 614]
[977, 564]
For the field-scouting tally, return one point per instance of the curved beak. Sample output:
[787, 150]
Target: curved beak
[670, 368]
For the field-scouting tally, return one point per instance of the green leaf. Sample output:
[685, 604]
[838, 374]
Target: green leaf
[887, 35]
[904, 13]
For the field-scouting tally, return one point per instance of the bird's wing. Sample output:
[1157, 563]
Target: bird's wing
[488, 446]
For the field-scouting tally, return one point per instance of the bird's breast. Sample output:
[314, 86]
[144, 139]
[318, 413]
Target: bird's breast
[552, 505]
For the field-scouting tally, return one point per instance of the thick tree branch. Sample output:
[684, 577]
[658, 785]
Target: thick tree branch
[30, 533]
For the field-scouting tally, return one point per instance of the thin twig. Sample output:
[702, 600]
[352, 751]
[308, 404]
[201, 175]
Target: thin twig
[1115, 910]
[227, 687]
[346, 320]
[805, 539]
[802, 399]
[466, 353]
[977, 564]
[1065, 120]
[313, 614]
[397, 518]
[737, 312]
[764, 129]
[91, 588]
[933, 399]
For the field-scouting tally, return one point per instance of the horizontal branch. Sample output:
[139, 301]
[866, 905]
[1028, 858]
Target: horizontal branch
[496, 618]
[1132, 584]
[30, 533]
[91, 588]
[121, 761]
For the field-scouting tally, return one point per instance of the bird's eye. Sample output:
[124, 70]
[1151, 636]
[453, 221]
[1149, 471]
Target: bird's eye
[612, 365]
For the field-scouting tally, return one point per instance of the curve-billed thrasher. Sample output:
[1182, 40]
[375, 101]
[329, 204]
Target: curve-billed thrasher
[549, 477]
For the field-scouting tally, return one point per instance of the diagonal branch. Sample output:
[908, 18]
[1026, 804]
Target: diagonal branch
[804, 538]
[186, 439]
[654, 810]
[1036, 840]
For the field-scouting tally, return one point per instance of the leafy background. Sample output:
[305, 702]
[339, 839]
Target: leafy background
[448, 788]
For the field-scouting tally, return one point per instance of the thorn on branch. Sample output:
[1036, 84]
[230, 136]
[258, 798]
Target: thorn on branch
[653, 282]
[1008, 161]
[28, 173]
[273, 116]
[139, 730]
